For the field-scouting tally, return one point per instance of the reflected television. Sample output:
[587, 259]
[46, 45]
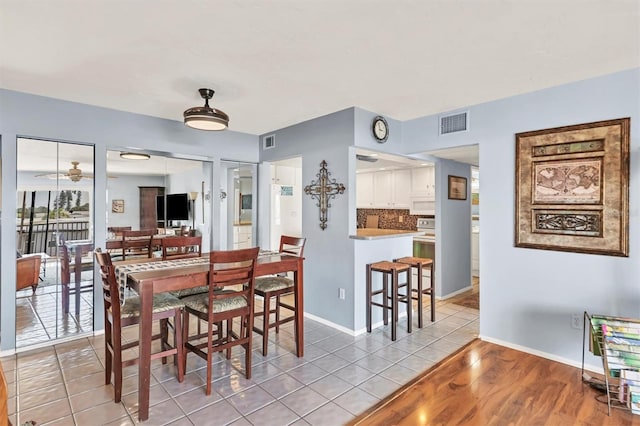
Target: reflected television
[177, 206]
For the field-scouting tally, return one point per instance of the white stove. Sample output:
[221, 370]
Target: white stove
[428, 227]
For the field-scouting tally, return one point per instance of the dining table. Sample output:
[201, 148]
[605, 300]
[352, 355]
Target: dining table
[78, 249]
[149, 278]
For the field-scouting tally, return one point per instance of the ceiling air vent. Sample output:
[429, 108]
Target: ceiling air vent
[269, 142]
[454, 123]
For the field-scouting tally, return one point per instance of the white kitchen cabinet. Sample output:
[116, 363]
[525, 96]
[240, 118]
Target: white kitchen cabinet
[364, 190]
[387, 189]
[423, 182]
[401, 185]
[383, 190]
[242, 237]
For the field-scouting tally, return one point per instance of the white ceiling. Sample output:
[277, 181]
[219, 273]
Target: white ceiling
[276, 63]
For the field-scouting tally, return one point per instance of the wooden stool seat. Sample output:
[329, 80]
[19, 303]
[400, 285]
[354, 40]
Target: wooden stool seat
[419, 263]
[386, 266]
[391, 301]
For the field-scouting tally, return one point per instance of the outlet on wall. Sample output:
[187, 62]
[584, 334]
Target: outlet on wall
[341, 294]
[400, 219]
[576, 321]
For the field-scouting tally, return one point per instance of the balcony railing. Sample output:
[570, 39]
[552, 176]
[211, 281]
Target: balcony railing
[43, 237]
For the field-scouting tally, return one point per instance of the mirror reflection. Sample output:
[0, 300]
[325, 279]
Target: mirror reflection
[238, 204]
[54, 240]
[156, 193]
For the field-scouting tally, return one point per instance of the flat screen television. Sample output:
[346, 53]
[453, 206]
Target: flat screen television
[160, 207]
[177, 207]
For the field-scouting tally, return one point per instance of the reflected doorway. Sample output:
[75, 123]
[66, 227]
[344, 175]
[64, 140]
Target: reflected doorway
[54, 240]
[238, 204]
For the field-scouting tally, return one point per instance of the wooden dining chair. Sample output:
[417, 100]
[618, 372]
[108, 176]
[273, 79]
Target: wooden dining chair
[28, 272]
[230, 295]
[277, 286]
[136, 244]
[68, 269]
[122, 312]
[181, 247]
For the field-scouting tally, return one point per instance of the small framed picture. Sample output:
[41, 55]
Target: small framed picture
[117, 206]
[457, 188]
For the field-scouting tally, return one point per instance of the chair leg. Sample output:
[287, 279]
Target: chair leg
[394, 304]
[247, 349]
[209, 355]
[229, 336]
[265, 323]
[117, 367]
[419, 295]
[178, 343]
[185, 339]
[368, 277]
[278, 314]
[108, 356]
[164, 337]
[65, 298]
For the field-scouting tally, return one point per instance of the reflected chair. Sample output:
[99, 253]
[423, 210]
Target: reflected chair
[120, 313]
[230, 295]
[28, 272]
[67, 267]
[277, 286]
[117, 230]
[137, 244]
[181, 247]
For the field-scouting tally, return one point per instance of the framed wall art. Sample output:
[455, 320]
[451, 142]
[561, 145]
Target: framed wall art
[117, 206]
[572, 188]
[457, 188]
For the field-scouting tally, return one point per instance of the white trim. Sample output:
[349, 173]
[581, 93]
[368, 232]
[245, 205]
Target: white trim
[330, 324]
[455, 293]
[562, 360]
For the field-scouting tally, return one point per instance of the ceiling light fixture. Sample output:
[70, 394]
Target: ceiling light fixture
[205, 117]
[134, 156]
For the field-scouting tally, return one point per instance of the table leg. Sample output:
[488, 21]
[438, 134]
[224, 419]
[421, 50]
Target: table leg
[144, 362]
[78, 277]
[299, 313]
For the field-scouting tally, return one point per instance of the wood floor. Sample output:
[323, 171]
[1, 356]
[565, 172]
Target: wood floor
[487, 384]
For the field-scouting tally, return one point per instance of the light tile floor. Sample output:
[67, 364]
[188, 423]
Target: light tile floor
[339, 377]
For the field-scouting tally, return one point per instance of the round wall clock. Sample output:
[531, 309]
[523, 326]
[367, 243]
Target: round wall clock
[380, 129]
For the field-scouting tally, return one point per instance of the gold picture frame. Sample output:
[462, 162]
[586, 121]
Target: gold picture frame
[117, 206]
[457, 188]
[572, 188]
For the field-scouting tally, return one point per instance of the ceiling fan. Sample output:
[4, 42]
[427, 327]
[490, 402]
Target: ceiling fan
[74, 174]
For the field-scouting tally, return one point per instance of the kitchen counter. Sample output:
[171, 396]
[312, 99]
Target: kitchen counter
[376, 234]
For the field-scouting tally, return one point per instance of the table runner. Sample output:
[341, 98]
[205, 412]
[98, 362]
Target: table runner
[122, 271]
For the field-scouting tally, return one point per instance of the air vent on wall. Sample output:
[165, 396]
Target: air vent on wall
[454, 123]
[269, 142]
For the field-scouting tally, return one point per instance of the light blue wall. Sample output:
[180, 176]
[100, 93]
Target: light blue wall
[329, 252]
[527, 296]
[46, 118]
[126, 188]
[453, 231]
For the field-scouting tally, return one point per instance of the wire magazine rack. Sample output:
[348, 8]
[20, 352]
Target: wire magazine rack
[617, 341]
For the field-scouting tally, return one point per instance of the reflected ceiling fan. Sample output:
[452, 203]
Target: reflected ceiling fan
[74, 174]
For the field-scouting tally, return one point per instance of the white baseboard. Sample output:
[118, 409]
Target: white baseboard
[330, 324]
[345, 329]
[525, 349]
[455, 293]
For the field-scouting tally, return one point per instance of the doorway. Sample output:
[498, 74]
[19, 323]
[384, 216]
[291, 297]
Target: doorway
[286, 200]
[54, 240]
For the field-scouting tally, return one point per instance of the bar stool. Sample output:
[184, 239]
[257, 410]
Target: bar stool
[389, 302]
[420, 263]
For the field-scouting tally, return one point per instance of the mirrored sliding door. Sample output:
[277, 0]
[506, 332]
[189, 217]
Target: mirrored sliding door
[54, 240]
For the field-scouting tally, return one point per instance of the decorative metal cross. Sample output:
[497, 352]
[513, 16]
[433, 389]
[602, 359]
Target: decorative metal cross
[323, 190]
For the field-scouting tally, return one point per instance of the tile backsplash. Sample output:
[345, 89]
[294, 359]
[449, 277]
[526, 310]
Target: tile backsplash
[389, 218]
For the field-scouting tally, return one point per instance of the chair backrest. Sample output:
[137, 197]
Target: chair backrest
[27, 271]
[186, 231]
[137, 243]
[233, 270]
[292, 245]
[181, 247]
[65, 264]
[110, 287]
[117, 230]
